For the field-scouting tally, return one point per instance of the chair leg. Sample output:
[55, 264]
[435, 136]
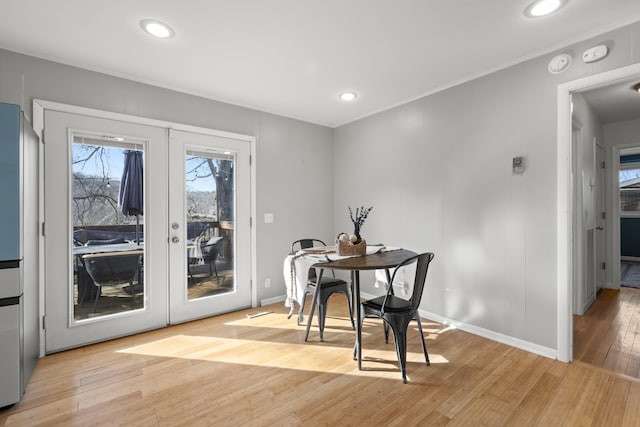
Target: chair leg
[399, 327]
[401, 349]
[322, 313]
[311, 310]
[386, 332]
[424, 346]
[301, 310]
[213, 268]
[95, 302]
[190, 280]
[133, 295]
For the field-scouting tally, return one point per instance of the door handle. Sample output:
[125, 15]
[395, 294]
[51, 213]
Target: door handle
[599, 227]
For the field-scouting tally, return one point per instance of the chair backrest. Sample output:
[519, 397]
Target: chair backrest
[112, 268]
[305, 244]
[97, 242]
[422, 267]
[210, 251]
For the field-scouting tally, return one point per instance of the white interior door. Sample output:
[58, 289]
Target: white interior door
[209, 225]
[86, 233]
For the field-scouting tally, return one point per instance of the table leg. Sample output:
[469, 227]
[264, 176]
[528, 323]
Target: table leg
[356, 297]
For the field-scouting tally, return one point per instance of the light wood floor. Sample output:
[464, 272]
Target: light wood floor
[234, 371]
[608, 335]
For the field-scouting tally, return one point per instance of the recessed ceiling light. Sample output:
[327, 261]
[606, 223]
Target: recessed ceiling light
[543, 7]
[348, 96]
[157, 28]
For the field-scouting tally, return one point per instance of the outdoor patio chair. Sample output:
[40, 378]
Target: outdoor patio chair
[113, 268]
[210, 251]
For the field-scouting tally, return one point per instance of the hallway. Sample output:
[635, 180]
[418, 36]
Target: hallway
[608, 335]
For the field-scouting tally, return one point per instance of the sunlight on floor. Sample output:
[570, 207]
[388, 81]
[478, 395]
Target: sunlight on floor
[307, 357]
[431, 329]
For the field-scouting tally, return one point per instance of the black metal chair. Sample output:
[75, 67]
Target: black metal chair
[113, 268]
[397, 312]
[328, 286]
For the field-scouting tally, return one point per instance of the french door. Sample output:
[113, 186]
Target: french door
[213, 236]
[143, 227]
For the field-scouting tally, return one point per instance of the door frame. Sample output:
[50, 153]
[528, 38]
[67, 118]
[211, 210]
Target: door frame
[39, 107]
[601, 224]
[577, 245]
[566, 203]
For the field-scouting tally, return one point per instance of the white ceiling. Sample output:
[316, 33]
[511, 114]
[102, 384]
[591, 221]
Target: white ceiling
[617, 102]
[293, 57]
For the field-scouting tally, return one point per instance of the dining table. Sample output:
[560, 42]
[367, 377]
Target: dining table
[385, 259]
[100, 249]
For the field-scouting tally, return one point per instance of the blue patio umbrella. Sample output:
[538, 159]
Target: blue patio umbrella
[131, 195]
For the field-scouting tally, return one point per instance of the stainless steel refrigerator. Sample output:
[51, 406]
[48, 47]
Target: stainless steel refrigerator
[19, 312]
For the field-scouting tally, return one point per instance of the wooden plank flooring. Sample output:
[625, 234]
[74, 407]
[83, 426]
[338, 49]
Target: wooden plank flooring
[608, 335]
[231, 371]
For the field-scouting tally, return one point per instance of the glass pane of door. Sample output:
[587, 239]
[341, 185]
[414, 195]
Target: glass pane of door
[630, 191]
[107, 189]
[209, 190]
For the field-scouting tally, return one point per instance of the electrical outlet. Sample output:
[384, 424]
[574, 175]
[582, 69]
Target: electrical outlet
[268, 218]
[267, 282]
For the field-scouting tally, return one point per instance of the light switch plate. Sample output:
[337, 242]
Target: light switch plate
[518, 165]
[268, 218]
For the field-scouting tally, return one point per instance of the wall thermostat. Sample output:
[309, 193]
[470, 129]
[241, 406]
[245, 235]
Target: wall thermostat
[559, 63]
[595, 53]
[518, 164]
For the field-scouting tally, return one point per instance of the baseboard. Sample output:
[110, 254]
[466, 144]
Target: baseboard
[273, 300]
[630, 258]
[492, 335]
[472, 329]
[587, 304]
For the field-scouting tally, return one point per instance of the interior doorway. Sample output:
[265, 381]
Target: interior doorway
[620, 81]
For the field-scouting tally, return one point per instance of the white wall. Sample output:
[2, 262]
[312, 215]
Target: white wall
[288, 151]
[438, 173]
[623, 134]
